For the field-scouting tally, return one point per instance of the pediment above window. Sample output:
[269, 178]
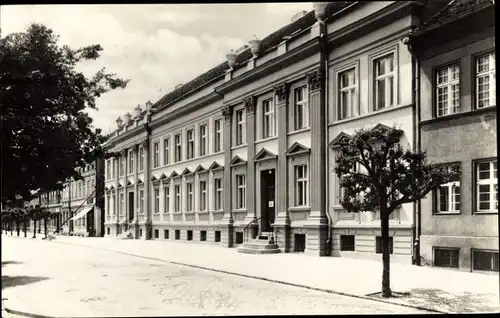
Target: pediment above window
[200, 169]
[297, 149]
[341, 138]
[237, 161]
[186, 172]
[163, 176]
[382, 128]
[264, 154]
[174, 175]
[215, 166]
[139, 181]
[129, 183]
[120, 185]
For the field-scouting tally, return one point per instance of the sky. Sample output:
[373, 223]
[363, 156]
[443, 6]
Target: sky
[156, 46]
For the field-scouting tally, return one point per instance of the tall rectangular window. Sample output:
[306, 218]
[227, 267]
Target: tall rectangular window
[108, 204]
[448, 90]
[301, 180]
[156, 155]
[240, 127]
[157, 200]
[485, 80]
[113, 204]
[218, 194]
[301, 109]
[166, 151]
[141, 158]
[203, 195]
[190, 144]
[218, 135]
[240, 191]
[122, 166]
[449, 197]
[140, 202]
[268, 118]
[108, 169]
[203, 140]
[189, 196]
[166, 196]
[121, 208]
[178, 148]
[348, 102]
[487, 186]
[385, 84]
[177, 199]
[130, 161]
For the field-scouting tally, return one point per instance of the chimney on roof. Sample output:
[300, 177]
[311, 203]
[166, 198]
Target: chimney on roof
[178, 86]
[298, 16]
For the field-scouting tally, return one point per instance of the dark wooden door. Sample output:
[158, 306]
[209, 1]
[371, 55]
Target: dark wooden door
[268, 204]
[131, 206]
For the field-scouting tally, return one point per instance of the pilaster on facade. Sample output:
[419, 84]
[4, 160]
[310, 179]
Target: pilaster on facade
[250, 106]
[147, 186]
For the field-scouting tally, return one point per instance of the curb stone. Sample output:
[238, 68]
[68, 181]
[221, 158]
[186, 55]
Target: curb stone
[330, 291]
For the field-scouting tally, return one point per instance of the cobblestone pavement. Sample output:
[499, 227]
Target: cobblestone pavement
[59, 279]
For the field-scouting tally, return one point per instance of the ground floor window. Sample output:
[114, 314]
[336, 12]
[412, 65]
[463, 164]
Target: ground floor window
[189, 235]
[157, 233]
[165, 234]
[140, 232]
[108, 230]
[347, 243]
[446, 257]
[177, 234]
[379, 245]
[485, 260]
[299, 243]
[217, 236]
[239, 237]
[203, 236]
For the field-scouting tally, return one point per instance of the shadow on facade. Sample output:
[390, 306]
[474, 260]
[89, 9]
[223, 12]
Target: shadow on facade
[13, 281]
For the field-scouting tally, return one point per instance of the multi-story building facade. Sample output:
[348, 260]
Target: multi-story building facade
[51, 201]
[456, 54]
[253, 139]
[82, 202]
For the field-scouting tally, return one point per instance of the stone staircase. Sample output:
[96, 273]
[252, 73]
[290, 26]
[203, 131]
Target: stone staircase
[263, 244]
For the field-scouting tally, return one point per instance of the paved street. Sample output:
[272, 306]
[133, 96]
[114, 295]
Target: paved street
[83, 281]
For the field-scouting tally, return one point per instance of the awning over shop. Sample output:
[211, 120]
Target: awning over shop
[82, 212]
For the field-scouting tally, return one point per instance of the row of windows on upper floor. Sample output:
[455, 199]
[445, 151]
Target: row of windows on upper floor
[80, 189]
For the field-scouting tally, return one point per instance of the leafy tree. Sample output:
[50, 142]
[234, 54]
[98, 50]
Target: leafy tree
[46, 131]
[377, 174]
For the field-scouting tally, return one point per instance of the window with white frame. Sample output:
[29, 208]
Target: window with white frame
[218, 135]
[449, 197]
[301, 183]
[113, 203]
[141, 158]
[177, 198]
[301, 109]
[178, 147]
[240, 127]
[203, 140]
[166, 151]
[218, 194]
[130, 161]
[166, 196]
[121, 208]
[485, 80]
[157, 200]
[385, 83]
[190, 144]
[448, 90]
[140, 202]
[268, 118]
[203, 195]
[156, 155]
[348, 102]
[487, 186]
[189, 196]
[240, 191]
[108, 169]
[108, 204]
[122, 166]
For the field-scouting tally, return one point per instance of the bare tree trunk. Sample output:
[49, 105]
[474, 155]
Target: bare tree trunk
[45, 227]
[25, 228]
[39, 226]
[11, 227]
[386, 256]
[18, 227]
[34, 228]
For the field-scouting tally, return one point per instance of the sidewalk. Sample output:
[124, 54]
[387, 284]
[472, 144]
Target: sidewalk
[431, 288]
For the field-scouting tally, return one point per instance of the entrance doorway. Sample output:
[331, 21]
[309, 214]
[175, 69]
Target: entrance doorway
[90, 222]
[267, 199]
[130, 206]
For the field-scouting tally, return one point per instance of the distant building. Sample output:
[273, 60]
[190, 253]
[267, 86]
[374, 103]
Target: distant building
[458, 126]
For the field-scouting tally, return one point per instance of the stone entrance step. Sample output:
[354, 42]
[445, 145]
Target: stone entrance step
[258, 246]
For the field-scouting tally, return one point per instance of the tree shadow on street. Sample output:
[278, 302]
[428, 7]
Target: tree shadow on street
[10, 263]
[12, 281]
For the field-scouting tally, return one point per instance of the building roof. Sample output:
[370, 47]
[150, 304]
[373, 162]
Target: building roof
[454, 10]
[267, 43]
